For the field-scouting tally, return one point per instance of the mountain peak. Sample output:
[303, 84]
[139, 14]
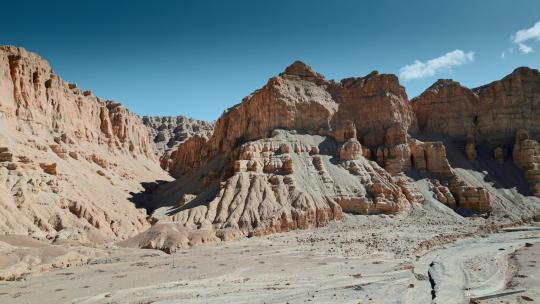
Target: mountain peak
[442, 83]
[299, 68]
[525, 71]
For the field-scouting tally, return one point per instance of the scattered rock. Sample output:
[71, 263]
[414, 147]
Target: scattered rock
[100, 161]
[74, 155]
[5, 155]
[60, 151]
[49, 168]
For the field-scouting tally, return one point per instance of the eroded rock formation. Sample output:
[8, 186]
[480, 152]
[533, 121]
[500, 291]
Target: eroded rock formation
[55, 139]
[302, 100]
[502, 116]
[296, 154]
[492, 113]
[527, 157]
[280, 183]
[168, 132]
[447, 107]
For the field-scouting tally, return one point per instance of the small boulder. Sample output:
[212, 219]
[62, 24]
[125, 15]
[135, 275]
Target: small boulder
[350, 150]
[49, 168]
[6, 156]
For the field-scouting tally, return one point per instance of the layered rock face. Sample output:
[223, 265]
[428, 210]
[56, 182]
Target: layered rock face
[526, 156]
[492, 113]
[447, 107]
[502, 116]
[296, 154]
[301, 99]
[32, 92]
[284, 182]
[168, 132]
[508, 105]
[431, 157]
[69, 159]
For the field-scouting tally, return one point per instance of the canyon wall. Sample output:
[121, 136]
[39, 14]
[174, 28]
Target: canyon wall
[31, 92]
[69, 159]
[303, 100]
[168, 132]
[294, 154]
[492, 113]
[302, 150]
[503, 116]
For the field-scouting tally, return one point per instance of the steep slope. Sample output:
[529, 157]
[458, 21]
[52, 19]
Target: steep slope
[68, 160]
[502, 116]
[168, 132]
[447, 107]
[301, 99]
[492, 113]
[302, 150]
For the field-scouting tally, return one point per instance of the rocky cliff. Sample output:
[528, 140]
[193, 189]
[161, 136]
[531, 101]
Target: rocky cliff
[168, 132]
[302, 150]
[301, 99]
[31, 92]
[492, 114]
[69, 159]
[502, 116]
[299, 152]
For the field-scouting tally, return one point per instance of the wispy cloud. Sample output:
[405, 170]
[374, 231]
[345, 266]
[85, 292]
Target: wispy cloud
[433, 66]
[525, 49]
[521, 37]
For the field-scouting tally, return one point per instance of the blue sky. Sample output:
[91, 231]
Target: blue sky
[197, 58]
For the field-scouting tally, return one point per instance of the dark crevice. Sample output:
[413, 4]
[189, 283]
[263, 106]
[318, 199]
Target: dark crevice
[13, 63]
[432, 282]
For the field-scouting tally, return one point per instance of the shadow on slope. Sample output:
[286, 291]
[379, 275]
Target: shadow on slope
[171, 194]
[143, 199]
[500, 176]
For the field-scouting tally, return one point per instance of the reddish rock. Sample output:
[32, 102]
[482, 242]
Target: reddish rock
[350, 150]
[303, 100]
[431, 156]
[526, 156]
[49, 168]
[446, 107]
[493, 112]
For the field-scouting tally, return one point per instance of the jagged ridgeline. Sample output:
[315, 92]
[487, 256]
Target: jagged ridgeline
[297, 153]
[69, 160]
[302, 150]
[168, 132]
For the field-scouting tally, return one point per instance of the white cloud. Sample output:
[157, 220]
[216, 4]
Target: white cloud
[433, 66]
[503, 55]
[525, 49]
[525, 35]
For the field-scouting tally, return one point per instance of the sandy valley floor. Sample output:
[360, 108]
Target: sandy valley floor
[362, 259]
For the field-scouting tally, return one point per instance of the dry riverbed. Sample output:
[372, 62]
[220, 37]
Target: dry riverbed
[362, 259]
